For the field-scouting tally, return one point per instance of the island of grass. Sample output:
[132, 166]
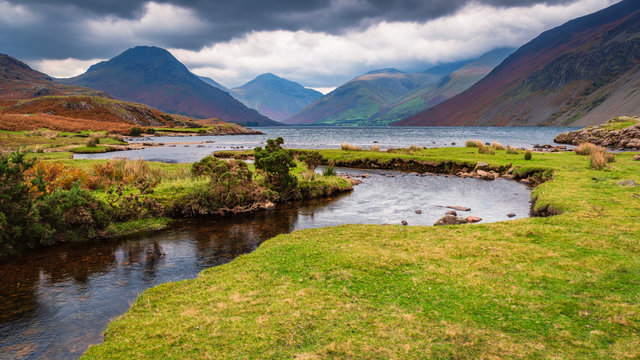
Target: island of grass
[565, 286]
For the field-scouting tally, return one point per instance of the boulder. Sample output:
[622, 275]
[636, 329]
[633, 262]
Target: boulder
[525, 181]
[404, 222]
[636, 158]
[627, 182]
[459, 208]
[448, 220]
[481, 165]
[486, 175]
[472, 219]
[268, 205]
[452, 212]
[418, 211]
[511, 215]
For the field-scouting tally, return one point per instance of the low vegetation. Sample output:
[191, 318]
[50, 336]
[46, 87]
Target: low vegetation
[349, 147]
[49, 198]
[565, 286]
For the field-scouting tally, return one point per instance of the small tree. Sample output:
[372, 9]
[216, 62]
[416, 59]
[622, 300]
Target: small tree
[135, 131]
[275, 163]
[311, 159]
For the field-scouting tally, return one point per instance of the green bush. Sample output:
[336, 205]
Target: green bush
[135, 131]
[19, 228]
[312, 159]
[202, 131]
[275, 163]
[73, 214]
[528, 155]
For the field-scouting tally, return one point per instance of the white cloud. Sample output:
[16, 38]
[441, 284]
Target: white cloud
[323, 60]
[63, 68]
[13, 15]
[157, 21]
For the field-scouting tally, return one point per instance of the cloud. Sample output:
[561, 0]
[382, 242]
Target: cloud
[319, 59]
[64, 68]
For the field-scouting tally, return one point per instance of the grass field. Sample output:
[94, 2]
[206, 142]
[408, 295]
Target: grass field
[566, 286]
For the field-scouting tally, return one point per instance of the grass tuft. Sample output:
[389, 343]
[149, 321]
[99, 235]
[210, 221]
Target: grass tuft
[350, 147]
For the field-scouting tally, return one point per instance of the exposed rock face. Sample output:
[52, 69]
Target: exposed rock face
[622, 132]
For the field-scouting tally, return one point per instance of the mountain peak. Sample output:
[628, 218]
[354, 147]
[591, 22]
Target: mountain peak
[385, 71]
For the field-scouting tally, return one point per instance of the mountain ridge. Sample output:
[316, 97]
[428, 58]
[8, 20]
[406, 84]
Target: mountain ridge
[152, 76]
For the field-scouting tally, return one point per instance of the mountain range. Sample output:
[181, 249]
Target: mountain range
[384, 96]
[152, 76]
[580, 73]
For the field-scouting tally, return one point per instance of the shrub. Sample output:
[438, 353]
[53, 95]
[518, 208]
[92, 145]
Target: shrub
[473, 143]
[586, 148]
[329, 170]
[46, 177]
[598, 158]
[275, 163]
[93, 141]
[528, 155]
[308, 175]
[312, 159]
[414, 148]
[134, 204]
[73, 214]
[350, 147]
[375, 147]
[497, 146]
[483, 149]
[135, 131]
[18, 221]
[512, 150]
[202, 131]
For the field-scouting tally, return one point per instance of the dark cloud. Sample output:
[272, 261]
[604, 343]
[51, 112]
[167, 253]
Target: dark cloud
[59, 33]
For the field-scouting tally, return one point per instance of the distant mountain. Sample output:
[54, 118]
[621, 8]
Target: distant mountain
[580, 73]
[19, 81]
[359, 101]
[384, 96]
[152, 76]
[216, 84]
[450, 85]
[274, 96]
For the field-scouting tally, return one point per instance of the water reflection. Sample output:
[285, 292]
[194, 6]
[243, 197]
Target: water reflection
[55, 303]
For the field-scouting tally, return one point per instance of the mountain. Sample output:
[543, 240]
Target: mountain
[152, 76]
[216, 84]
[463, 76]
[19, 81]
[360, 100]
[274, 96]
[580, 73]
[382, 97]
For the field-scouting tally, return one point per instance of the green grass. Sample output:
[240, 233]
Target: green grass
[621, 122]
[566, 286]
[137, 226]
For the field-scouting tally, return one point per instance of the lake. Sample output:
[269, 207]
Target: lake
[190, 149]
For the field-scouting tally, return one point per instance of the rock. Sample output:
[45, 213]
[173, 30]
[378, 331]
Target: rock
[511, 215]
[404, 222]
[508, 177]
[452, 212]
[636, 158]
[608, 134]
[365, 176]
[268, 205]
[472, 219]
[481, 165]
[418, 211]
[453, 143]
[628, 182]
[525, 181]
[459, 208]
[486, 175]
[448, 220]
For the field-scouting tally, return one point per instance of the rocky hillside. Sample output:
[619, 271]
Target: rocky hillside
[152, 76]
[97, 112]
[622, 133]
[576, 74]
[19, 81]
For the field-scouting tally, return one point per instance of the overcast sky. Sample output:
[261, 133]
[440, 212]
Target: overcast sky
[319, 43]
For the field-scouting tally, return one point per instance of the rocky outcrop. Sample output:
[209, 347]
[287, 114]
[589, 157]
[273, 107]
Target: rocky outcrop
[622, 132]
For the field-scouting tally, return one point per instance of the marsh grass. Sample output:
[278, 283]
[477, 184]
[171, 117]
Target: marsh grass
[483, 149]
[350, 147]
[497, 146]
[512, 150]
[473, 143]
[587, 148]
[375, 147]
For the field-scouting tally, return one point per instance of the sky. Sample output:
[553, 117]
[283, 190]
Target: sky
[318, 43]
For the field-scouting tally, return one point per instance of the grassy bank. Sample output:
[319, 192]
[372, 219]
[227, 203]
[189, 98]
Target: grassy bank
[566, 286]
